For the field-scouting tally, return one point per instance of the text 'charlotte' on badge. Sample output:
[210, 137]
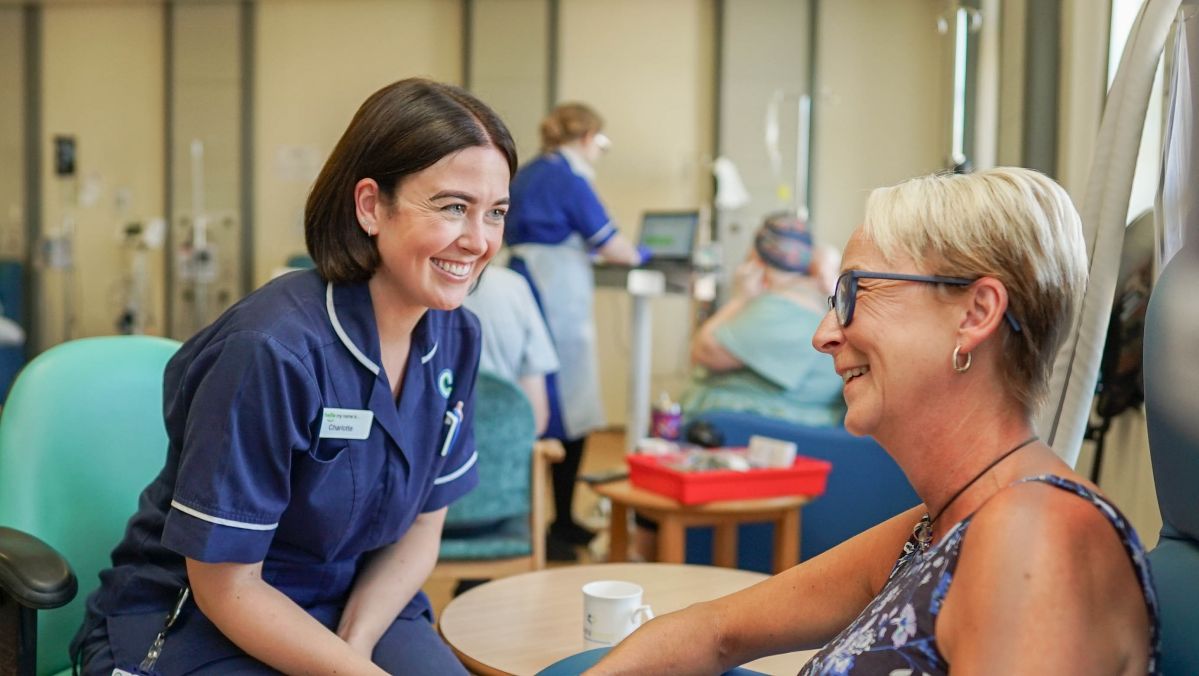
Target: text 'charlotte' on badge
[346, 423]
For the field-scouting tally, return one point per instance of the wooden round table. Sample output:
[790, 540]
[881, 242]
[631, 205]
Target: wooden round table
[524, 623]
[673, 518]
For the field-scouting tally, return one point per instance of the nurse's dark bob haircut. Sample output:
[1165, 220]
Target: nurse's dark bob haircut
[401, 129]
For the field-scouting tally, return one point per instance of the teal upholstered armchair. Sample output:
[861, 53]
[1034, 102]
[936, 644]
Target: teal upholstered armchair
[80, 437]
[498, 528]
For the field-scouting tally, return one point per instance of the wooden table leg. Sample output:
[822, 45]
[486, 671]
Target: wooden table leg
[786, 540]
[724, 545]
[672, 540]
[618, 533]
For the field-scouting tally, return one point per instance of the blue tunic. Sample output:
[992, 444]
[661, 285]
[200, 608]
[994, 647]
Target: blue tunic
[897, 631]
[550, 202]
[253, 472]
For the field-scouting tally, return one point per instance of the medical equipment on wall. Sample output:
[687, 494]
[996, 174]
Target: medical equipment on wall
[966, 21]
[196, 261]
[791, 196]
[56, 258]
[731, 193]
[138, 241]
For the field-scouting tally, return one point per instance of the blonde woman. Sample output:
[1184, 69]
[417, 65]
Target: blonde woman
[954, 296]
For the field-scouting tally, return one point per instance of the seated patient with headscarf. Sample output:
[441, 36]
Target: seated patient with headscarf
[750, 355]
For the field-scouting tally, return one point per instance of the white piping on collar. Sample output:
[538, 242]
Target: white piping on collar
[341, 333]
[578, 163]
[425, 359]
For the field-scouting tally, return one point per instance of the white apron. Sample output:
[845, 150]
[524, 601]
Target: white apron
[563, 276]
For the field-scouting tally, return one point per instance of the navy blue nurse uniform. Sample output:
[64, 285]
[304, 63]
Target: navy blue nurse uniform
[254, 472]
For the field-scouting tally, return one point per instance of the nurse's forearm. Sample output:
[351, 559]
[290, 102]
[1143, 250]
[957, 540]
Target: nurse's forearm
[389, 581]
[620, 250]
[267, 624]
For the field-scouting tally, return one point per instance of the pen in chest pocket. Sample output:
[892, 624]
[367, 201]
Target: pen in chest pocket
[453, 420]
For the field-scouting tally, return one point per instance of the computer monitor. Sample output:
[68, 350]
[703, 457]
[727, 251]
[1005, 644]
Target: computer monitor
[670, 235]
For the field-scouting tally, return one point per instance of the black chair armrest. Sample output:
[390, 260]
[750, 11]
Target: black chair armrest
[33, 573]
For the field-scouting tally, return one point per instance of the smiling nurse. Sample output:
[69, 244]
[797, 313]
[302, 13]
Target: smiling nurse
[321, 426]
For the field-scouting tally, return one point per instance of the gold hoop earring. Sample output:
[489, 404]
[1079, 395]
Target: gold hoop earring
[960, 368]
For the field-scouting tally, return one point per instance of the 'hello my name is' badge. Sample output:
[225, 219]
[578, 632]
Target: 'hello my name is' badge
[346, 423]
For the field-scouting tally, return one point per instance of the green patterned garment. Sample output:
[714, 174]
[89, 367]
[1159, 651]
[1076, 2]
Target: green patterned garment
[783, 376]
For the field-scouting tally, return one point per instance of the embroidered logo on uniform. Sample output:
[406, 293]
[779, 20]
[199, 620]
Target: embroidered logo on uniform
[445, 382]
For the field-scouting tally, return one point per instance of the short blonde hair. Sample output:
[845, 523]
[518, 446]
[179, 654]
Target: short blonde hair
[1015, 225]
[568, 122]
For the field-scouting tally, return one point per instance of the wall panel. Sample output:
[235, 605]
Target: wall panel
[509, 65]
[316, 63]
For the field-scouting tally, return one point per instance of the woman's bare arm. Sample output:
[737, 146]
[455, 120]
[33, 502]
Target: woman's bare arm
[268, 625]
[799, 608]
[388, 582]
[618, 249]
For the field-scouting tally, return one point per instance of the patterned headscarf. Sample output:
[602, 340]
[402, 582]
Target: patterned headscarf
[783, 242]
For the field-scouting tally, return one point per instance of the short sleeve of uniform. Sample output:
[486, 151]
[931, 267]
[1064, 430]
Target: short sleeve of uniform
[249, 402]
[586, 214]
[772, 336]
[539, 356]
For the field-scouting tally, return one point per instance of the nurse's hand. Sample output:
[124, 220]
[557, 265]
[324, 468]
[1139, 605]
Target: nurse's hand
[268, 625]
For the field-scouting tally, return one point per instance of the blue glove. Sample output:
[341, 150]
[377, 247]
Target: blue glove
[645, 253]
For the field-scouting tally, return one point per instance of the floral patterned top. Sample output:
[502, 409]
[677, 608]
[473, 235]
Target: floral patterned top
[895, 635]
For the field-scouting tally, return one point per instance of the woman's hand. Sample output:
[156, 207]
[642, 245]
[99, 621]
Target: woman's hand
[268, 625]
[387, 582]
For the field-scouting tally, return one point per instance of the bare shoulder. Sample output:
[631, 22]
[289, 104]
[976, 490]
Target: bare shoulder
[1045, 570]
[1045, 519]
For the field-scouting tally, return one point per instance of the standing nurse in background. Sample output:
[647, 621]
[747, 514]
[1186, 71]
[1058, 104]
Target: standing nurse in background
[320, 427]
[555, 224]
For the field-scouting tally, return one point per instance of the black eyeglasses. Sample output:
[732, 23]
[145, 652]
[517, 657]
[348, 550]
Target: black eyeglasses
[845, 295]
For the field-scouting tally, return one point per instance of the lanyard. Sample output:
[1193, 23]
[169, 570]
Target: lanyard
[147, 665]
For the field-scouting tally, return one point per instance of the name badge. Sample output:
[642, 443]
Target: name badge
[346, 423]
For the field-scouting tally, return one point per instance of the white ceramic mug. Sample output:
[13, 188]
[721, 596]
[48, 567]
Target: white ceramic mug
[611, 611]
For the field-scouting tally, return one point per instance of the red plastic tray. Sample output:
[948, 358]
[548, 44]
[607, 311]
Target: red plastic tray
[807, 476]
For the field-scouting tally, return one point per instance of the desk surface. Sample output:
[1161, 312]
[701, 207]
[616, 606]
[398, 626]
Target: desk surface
[524, 623]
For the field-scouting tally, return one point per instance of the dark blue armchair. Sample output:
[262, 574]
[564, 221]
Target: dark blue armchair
[865, 488]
